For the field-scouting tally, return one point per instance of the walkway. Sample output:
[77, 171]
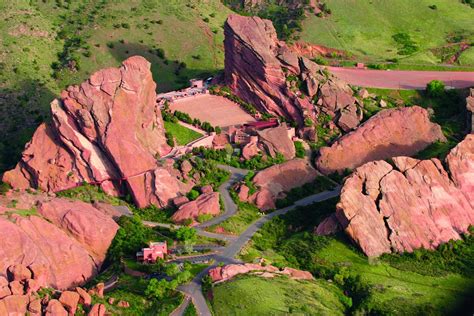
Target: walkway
[402, 79]
[226, 255]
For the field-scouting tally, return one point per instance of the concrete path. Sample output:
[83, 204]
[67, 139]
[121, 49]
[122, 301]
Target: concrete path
[402, 79]
[225, 255]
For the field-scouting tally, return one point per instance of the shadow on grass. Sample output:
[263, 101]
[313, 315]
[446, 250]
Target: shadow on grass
[168, 74]
[21, 110]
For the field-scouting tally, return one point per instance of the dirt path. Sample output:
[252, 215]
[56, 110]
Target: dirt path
[402, 79]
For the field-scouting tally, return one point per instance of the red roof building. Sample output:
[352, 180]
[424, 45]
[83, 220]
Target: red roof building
[155, 251]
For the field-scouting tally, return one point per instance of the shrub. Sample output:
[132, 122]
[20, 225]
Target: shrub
[300, 152]
[435, 88]
[192, 195]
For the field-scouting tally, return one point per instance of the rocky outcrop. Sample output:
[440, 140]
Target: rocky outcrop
[60, 243]
[470, 111]
[273, 182]
[27, 301]
[225, 273]
[276, 140]
[106, 131]
[266, 73]
[390, 133]
[206, 204]
[412, 204]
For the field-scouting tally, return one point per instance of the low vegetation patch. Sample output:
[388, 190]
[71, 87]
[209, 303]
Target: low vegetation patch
[180, 133]
[321, 184]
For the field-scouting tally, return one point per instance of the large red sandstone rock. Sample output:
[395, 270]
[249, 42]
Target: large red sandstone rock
[206, 203]
[256, 69]
[97, 310]
[64, 247]
[276, 140]
[69, 300]
[220, 274]
[390, 133]
[412, 205]
[14, 305]
[106, 131]
[273, 182]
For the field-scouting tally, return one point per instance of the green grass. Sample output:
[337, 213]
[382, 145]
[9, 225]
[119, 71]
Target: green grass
[23, 213]
[253, 295]
[365, 28]
[90, 193]
[182, 134]
[393, 285]
[190, 310]
[30, 45]
[238, 223]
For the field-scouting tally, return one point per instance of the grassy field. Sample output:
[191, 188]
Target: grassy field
[375, 286]
[365, 28]
[238, 223]
[252, 295]
[48, 45]
[182, 134]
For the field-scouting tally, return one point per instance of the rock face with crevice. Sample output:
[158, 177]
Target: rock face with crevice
[412, 204]
[62, 242]
[263, 71]
[106, 131]
[390, 133]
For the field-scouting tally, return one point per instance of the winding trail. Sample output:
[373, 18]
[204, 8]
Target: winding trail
[193, 289]
[402, 79]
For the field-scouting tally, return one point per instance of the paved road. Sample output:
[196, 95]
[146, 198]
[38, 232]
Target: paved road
[194, 288]
[226, 254]
[402, 79]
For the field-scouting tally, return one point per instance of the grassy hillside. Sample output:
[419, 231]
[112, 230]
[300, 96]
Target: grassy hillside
[48, 45]
[366, 28]
[425, 283]
[251, 295]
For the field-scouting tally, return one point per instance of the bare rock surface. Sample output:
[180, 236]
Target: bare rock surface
[413, 204]
[274, 181]
[64, 244]
[264, 72]
[227, 272]
[106, 131]
[276, 140]
[206, 203]
[390, 133]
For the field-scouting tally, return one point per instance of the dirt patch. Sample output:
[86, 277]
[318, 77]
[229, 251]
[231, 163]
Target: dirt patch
[216, 110]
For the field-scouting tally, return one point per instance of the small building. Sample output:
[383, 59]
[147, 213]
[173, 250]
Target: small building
[360, 65]
[155, 251]
[196, 83]
[259, 125]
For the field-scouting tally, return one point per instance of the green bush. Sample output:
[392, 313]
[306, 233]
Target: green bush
[435, 88]
[300, 151]
[192, 195]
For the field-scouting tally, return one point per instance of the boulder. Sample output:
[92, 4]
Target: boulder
[206, 203]
[84, 297]
[86, 140]
[180, 200]
[18, 272]
[17, 288]
[273, 182]
[14, 305]
[244, 193]
[70, 299]
[227, 272]
[276, 140]
[34, 307]
[63, 247]
[97, 310]
[5, 291]
[349, 118]
[207, 189]
[328, 226]
[413, 204]
[55, 308]
[123, 304]
[250, 150]
[389, 133]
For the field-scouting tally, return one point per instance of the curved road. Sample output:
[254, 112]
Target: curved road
[193, 289]
[402, 79]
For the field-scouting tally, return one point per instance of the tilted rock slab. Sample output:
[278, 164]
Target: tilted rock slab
[273, 182]
[106, 131]
[390, 133]
[415, 204]
[63, 246]
[206, 203]
[256, 67]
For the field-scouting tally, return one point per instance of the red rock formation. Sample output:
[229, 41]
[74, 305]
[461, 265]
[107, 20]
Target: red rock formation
[389, 133]
[206, 203]
[258, 69]
[276, 140]
[225, 273]
[63, 246]
[273, 182]
[106, 131]
[411, 205]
